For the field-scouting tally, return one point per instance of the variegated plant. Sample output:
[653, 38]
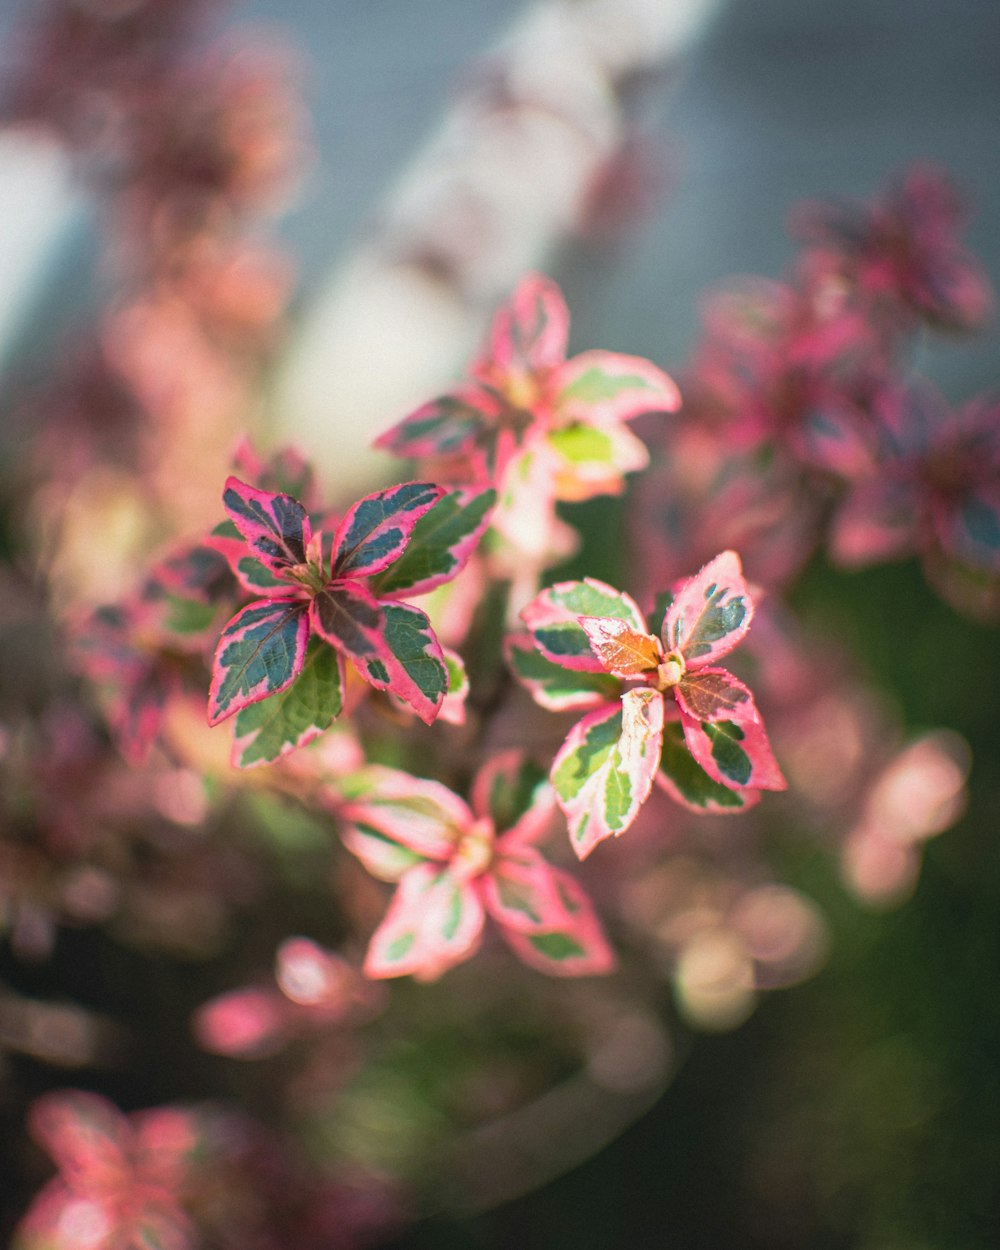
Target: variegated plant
[273, 667]
[535, 425]
[453, 863]
[658, 709]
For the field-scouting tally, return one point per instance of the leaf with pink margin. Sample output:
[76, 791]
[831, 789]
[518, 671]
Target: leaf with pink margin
[529, 332]
[577, 948]
[107, 648]
[417, 671]
[449, 425]
[510, 789]
[276, 527]
[608, 387]
[285, 471]
[255, 577]
[375, 531]
[551, 685]
[391, 644]
[434, 922]
[734, 751]
[440, 544]
[683, 778]
[622, 651]
[520, 892]
[591, 459]
[453, 708]
[423, 816]
[604, 771]
[713, 694]
[192, 570]
[710, 613]
[136, 713]
[269, 730]
[351, 619]
[260, 653]
[553, 618]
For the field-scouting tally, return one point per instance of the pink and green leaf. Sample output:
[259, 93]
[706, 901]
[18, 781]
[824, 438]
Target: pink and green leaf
[684, 779]
[621, 650]
[604, 770]
[530, 331]
[260, 653]
[194, 571]
[553, 618]
[351, 619]
[416, 667]
[440, 543]
[188, 587]
[577, 947]
[734, 751]
[453, 708]
[375, 532]
[714, 694]
[271, 728]
[520, 892]
[384, 858]
[422, 816]
[391, 644]
[449, 425]
[275, 526]
[551, 685]
[434, 922]
[710, 613]
[590, 459]
[507, 788]
[286, 471]
[253, 575]
[136, 712]
[608, 387]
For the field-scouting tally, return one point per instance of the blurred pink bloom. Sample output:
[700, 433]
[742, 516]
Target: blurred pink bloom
[120, 1178]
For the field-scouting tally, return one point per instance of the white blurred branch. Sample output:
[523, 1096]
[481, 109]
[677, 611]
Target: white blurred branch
[505, 176]
[38, 207]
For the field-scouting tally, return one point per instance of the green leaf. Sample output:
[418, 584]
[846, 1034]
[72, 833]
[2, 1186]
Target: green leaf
[267, 730]
[582, 444]
[605, 769]
[554, 687]
[188, 616]
[732, 760]
[553, 617]
[419, 677]
[686, 781]
[440, 544]
[557, 946]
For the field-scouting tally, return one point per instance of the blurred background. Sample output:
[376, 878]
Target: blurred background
[860, 1110]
